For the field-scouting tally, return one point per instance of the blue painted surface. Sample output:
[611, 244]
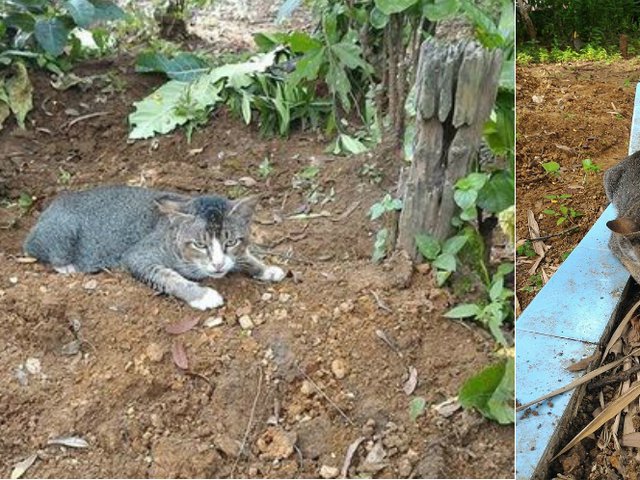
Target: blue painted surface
[578, 299]
[563, 324]
[535, 353]
[634, 142]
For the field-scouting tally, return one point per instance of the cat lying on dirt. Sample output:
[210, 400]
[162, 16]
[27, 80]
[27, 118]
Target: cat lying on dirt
[621, 187]
[164, 239]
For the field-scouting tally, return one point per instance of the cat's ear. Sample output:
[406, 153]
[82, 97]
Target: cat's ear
[244, 207]
[624, 225]
[173, 206]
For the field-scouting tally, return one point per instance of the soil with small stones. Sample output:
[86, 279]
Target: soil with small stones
[566, 114]
[122, 393]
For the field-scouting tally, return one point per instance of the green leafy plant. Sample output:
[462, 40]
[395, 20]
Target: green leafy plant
[491, 392]
[387, 204]
[372, 172]
[25, 201]
[590, 167]
[49, 35]
[265, 168]
[384, 207]
[563, 212]
[534, 284]
[526, 250]
[493, 312]
[417, 406]
[551, 167]
[441, 256]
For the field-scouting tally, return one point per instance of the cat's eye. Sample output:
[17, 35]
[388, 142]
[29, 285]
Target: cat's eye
[232, 242]
[198, 245]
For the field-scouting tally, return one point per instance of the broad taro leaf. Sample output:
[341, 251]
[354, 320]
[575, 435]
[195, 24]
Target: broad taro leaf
[394, 6]
[157, 112]
[52, 35]
[107, 10]
[82, 11]
[183, 67]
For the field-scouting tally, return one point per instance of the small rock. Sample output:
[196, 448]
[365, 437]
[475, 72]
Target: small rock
[247, 181]
[328, 472]
[90, 284]
[374, 459]
[155, 352]
[21, 376]
[13, 280]
[266, 296]
[307, 388]
[284, 297]
[71, 348]
[339, 368]
[276, 444]
[245, 322]
[33, 366]
[404, 468]
[244, 310]
[213, 322]
[346, 307]
[227, 445]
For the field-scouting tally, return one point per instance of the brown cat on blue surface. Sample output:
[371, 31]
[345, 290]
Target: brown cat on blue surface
[622, 186]
[167, 240]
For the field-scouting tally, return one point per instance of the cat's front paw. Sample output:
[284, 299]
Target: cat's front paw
[273, 274]
[209, 299]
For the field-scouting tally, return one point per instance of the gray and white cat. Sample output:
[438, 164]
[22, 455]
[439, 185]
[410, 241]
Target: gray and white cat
[622, 186]
[167, 240]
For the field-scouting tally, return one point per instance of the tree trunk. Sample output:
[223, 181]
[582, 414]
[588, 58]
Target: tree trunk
[457, 85]
[523, 9]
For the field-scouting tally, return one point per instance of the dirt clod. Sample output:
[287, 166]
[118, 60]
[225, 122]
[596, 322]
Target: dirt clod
[329, 472]
[276, 444]
[339, 368]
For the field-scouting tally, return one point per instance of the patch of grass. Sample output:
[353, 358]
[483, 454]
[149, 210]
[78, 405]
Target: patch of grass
[528, 53]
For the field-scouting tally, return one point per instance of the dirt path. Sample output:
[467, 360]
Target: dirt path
[140, 415]
[566, 114]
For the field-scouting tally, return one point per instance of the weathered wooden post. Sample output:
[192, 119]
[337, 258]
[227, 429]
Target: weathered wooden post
[456, 85]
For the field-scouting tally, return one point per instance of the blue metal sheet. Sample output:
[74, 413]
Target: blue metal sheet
[540, 369]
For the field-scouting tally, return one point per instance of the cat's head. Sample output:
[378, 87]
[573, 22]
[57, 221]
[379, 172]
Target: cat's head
[208, 232]
[625, 243]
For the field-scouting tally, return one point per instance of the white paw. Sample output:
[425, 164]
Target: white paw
[209, 299]
[273, 274]
[66, 269]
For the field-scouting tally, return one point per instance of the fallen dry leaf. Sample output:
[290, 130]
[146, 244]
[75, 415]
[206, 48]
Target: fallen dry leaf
[582, 364]
[181, 327]
[351, 450]
[73, 442]
[611, 410]
[23, 466]
[631, 440]
[619, 330]
[179, 355]
[410, 385]
[448, 407]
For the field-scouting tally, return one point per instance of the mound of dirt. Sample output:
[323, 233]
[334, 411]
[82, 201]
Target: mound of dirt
[283, 399]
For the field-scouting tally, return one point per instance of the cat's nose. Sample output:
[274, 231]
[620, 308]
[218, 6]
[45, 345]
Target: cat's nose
[218, 266]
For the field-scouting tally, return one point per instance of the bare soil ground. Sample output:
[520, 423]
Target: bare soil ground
[567, 113]
[314, 347]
